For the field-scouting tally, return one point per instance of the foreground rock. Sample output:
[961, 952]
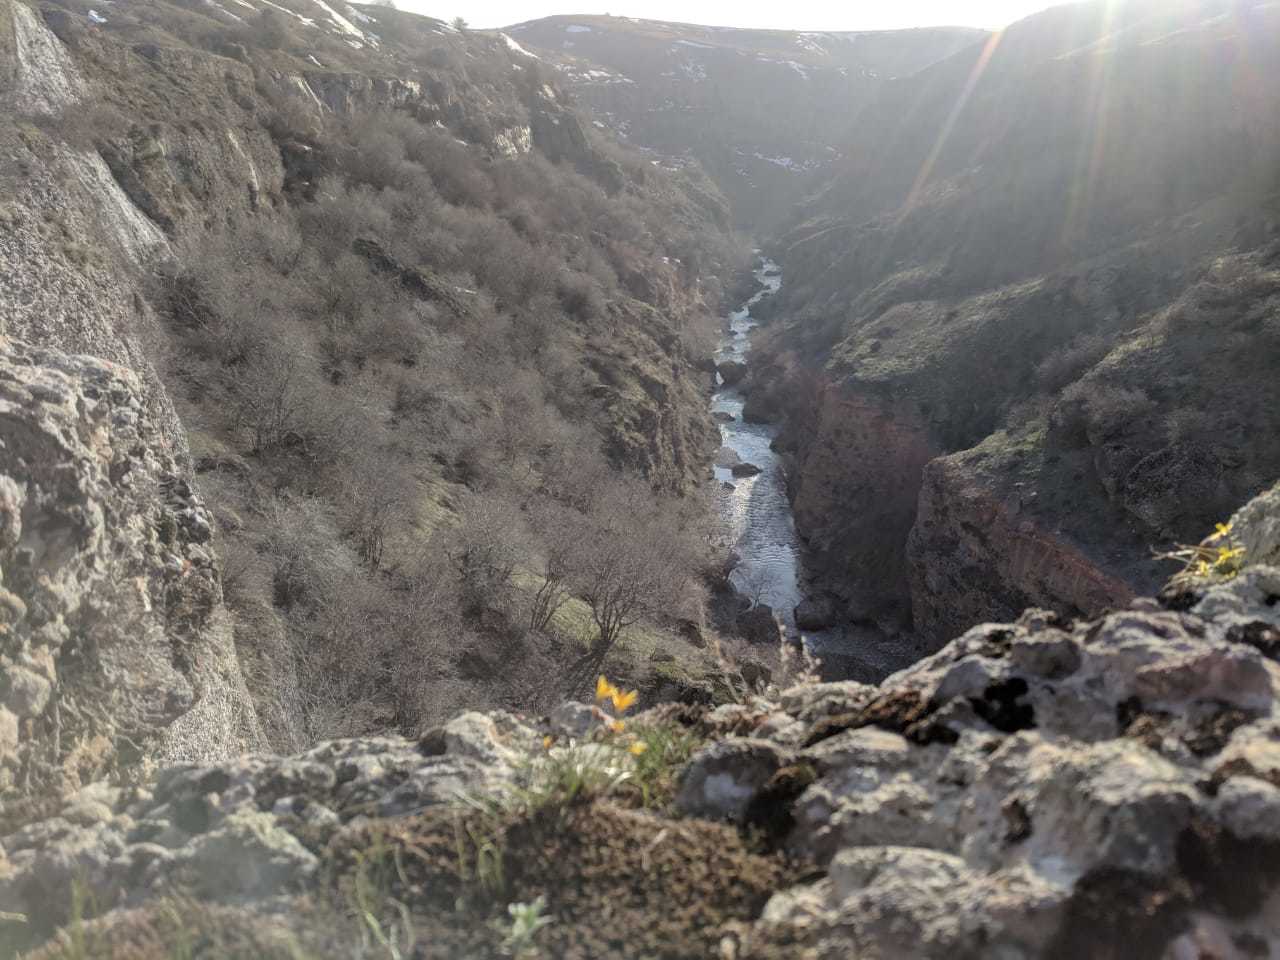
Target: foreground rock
[1038, 789]
[109, 593]
[1035, 789]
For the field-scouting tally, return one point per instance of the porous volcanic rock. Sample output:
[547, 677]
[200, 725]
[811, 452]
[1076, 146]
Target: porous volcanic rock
[109, 592]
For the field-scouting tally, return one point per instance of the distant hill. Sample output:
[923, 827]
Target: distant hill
[764, 111]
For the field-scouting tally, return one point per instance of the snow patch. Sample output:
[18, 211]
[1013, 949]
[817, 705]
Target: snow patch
[516, 48]
[575, 28]
[304, 88]
[694, 44]
[96, 17]
[253, 170]
[214, 5]
[345, 25]
[787, 163]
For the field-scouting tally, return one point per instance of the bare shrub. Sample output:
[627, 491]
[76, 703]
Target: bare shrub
[486, 548]
[580, 296]
[555, 527]
[270, 30]
[1089, 411]
[1070, 363]
[631, 562]
[376, 490]
[273, 399]
[305, 552]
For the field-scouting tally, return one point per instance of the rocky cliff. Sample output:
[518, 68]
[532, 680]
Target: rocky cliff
[113, 625]
[1034, 789]
[1043, 303]
[120, 628]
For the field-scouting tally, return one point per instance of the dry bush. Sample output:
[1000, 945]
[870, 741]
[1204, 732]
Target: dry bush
[580, 296]
[1069, 364]
[270, 30]
[632, 560]
[1089, 411]
[486, 548]
[274, 400]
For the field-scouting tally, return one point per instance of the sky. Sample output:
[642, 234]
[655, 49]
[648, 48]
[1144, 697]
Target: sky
[792, 15]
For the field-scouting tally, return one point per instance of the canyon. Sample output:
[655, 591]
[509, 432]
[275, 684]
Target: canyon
[374, 389]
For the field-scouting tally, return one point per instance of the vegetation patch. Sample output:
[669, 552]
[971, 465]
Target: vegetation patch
[615, 882]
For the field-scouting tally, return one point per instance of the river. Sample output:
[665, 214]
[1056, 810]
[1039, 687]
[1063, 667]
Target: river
[761, 527]
[756, 509]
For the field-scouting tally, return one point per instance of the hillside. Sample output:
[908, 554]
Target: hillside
[1028, 329]
[764, 112]
[421, 382]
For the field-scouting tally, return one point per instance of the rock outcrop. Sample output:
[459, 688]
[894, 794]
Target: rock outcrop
[110, 625]
[236, 830]
[977, 554]
[1035, 789]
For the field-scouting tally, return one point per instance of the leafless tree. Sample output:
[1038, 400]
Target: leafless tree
[555, 527]
[270, 398]
[632, 562]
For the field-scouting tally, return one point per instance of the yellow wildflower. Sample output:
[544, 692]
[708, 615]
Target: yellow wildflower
[605, 689]
[617, 726]
[1226, 554]
[622, 701]
[638, 748]
[547, 741]
[1224, 530]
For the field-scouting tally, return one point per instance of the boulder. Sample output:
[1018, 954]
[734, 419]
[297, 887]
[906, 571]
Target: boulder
[249, 855]
[727, 457]
[720, 416]
[759, 625]
[815, 614]
[721, 780]
[1256, 528]
[743, 470]
[732, 372]
[692, 632]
